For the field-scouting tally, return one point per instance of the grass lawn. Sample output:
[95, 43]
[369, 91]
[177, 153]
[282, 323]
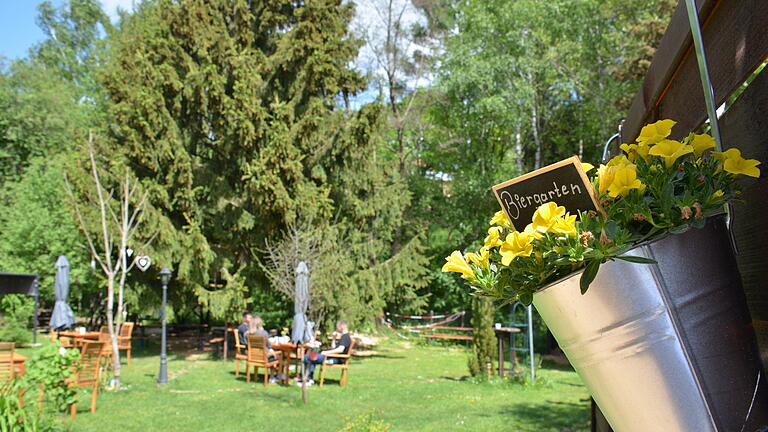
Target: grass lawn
[418, 388]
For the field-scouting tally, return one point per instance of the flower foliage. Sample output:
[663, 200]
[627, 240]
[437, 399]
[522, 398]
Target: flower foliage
[656, 186]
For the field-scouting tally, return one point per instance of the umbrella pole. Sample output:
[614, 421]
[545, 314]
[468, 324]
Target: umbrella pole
[303, 377]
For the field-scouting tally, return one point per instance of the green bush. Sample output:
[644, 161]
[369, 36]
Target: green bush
[17, 311]
[48, 370]
[371, 422]
[18, 417]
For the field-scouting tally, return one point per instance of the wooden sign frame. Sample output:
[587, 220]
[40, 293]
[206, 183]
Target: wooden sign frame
[573, 160]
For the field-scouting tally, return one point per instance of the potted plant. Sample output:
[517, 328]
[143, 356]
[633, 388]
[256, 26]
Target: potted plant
[645, 300]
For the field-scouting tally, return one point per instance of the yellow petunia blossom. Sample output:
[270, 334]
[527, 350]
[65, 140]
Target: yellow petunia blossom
[544, 216]
[565, 225]
[732, 162]
[587, 167]
[670, 151]
[457, 264]
[635, 151]
[500, 218]
[747, 167]
[531, 231]
[718, 194]
[492, 239]
[656, 132]
[625, 180]
[517, 244]
[700, 143]
[480, 259]
[605, 176]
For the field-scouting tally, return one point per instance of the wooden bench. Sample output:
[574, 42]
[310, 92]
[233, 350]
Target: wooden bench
[446, 336]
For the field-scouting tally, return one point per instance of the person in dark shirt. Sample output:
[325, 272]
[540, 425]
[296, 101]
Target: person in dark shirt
[242, 329]
[341, 347]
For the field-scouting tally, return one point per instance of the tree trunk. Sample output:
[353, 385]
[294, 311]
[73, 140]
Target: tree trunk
[111, 327]
[519, 150]
[536, 138]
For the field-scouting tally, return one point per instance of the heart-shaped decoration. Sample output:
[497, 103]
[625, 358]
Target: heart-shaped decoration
[143, 262]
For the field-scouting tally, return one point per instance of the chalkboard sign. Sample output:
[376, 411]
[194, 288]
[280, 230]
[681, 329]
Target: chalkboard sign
[564, 182]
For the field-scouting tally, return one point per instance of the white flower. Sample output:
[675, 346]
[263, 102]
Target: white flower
[62, 351]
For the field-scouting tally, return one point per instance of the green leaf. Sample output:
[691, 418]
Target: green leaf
[637, 259]
[589, 275]
[526, 299]
[679, 229]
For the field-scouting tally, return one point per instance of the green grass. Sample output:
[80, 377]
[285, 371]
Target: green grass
[418, 388]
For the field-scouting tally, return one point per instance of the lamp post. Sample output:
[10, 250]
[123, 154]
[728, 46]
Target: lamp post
[165, 277]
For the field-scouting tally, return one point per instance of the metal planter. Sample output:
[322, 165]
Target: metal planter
[666, 347]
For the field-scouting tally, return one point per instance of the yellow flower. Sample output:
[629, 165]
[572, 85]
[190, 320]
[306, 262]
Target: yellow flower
[565, 225]
[747, 167]
[500, 218]
[700, 143]
[670, 151]
[480, 259]
[531, 231]
[624, 181]
[517, 244]
[620, 160]
[587, 167]
[734, 163]
[718, 194]
[457, 264]
[492, 239]
[545, 216]
[656, 132]
[605, 176]
[636, 150]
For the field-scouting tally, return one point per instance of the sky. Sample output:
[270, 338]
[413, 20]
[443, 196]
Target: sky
[18, 30]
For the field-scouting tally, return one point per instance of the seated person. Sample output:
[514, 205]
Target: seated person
[242, 329]
[256, 328]
[341, 347]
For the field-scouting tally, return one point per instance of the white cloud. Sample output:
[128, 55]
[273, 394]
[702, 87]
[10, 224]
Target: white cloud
[110, 6]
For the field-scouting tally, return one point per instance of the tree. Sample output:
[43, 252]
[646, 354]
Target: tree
[119, 217]
[229, 114]
[483, 336]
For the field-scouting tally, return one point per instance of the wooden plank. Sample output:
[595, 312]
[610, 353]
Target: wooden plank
[745, 126]
[672, 49]
[468, 329]
[445, 336]
[736, 43]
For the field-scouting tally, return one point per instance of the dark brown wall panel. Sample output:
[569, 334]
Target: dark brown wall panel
[745, 126]
[736, 42]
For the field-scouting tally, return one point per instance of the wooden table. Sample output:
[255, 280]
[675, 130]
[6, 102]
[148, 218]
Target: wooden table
[78, 338]
[285, 358]
[18, 362]
[501, 334]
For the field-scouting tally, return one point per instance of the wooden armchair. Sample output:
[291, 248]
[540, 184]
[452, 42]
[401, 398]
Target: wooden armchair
[258, 356]
[7, 368]
[66, 342]
[343, 365]
[87, 374]
[241, 350]
[124, 339]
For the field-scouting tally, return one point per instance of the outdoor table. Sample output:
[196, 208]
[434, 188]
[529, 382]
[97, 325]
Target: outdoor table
[285, 360]
[78, 338]
[18, 362]
[501, 334]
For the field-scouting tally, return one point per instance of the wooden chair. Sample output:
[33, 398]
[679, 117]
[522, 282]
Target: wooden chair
[7, 369]
[344, 365]
[87, 373]
[258, 356]
[66, 342]
[124, 339]
[240, 351]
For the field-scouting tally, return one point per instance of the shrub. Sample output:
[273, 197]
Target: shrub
[17, 311]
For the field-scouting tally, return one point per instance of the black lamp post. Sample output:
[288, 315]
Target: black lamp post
[165, 277]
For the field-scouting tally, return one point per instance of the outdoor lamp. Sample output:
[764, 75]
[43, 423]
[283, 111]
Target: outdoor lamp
[165, 277]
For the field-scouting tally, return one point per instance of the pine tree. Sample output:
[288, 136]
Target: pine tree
[230, 114]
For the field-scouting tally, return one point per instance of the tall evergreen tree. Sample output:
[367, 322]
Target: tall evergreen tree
[228, 111]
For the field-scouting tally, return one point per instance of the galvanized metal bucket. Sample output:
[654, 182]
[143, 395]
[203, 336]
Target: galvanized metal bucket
[666, 347]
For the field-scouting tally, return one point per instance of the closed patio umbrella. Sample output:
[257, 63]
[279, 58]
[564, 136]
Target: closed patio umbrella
[302, 329]
[62, 317]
